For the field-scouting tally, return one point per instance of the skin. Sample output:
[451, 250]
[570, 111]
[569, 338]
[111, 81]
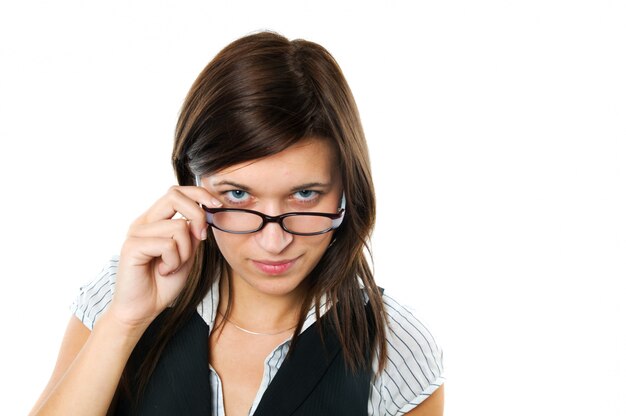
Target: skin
[156, 259]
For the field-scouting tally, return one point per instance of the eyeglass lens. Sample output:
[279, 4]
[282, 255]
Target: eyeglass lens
[247, 222]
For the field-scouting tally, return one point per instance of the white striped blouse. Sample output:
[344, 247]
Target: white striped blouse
[414, 368]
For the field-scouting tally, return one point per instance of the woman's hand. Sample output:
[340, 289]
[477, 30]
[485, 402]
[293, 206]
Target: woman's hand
[157, 256]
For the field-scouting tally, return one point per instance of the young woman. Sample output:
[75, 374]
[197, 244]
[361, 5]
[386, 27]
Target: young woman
[245, 289]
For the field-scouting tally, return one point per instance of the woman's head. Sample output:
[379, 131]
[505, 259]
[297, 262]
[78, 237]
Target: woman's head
[263, 94]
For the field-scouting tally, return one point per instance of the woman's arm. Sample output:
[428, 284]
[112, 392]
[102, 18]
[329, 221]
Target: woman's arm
[88, 368]
[154, 264]
[433, 406]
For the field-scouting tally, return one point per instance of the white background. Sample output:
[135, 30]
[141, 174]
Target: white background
[498, 140]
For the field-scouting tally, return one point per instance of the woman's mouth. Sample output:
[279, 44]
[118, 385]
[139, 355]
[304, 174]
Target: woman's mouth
[274, 267]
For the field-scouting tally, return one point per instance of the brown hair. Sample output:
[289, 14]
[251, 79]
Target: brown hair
[258, 96]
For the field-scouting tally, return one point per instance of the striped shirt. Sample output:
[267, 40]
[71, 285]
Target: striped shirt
[414, 368]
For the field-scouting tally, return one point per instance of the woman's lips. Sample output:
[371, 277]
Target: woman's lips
[274, 267]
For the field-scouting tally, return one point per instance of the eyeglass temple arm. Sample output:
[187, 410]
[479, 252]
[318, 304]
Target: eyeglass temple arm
[199, 184]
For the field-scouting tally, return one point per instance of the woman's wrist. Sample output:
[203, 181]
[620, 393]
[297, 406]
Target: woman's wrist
[114, 328]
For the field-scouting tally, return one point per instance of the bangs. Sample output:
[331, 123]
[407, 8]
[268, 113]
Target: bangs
[245, 135]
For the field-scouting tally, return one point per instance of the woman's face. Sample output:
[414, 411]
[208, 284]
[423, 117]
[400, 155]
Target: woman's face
[303, 177]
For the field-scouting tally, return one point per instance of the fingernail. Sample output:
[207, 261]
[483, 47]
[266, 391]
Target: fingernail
[216, 202]
[203, 234]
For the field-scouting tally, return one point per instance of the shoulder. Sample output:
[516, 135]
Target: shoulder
[94, 297]
[414, 367]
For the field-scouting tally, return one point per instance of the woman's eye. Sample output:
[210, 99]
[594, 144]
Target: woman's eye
[306, 195]
[236, 196]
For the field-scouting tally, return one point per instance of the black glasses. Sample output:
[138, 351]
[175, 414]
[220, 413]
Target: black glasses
[247, 221]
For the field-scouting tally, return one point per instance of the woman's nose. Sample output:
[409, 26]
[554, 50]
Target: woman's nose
[273, 239]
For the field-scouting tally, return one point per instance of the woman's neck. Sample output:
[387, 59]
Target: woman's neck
[258, 311]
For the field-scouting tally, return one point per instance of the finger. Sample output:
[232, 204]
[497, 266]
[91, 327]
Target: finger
[184, 200]
[177, 229]
[142, 251]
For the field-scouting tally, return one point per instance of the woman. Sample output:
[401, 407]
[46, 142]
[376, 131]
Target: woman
[264, 278]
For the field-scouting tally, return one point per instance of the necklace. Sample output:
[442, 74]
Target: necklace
[247, 331]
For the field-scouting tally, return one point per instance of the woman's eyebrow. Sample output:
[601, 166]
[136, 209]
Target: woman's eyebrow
[307, 185]
[310, 185]
[233, 184]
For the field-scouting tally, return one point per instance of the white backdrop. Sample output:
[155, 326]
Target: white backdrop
[498, 141]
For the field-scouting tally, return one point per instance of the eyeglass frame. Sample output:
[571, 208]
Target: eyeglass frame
[337, 219]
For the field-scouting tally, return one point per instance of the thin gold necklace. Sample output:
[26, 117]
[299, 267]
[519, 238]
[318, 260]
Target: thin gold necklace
[247, 331]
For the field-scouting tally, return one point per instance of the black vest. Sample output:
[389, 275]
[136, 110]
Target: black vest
[314, 380]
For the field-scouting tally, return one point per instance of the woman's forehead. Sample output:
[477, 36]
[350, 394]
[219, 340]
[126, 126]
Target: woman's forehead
[308, 162]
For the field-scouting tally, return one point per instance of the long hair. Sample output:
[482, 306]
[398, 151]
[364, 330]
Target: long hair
[261, 94]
